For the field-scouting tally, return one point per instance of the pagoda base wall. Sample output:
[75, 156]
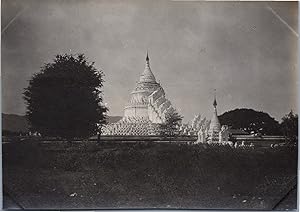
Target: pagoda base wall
[136, 111]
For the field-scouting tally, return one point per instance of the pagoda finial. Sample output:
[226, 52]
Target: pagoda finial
[215, 99]
[147, 57]
[147, 75]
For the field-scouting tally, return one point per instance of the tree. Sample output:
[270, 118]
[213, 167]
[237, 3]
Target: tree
[171, 125]
[289, 126]
[250, 120]
[65, 99]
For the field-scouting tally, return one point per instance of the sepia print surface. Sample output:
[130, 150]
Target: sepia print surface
[149, 104]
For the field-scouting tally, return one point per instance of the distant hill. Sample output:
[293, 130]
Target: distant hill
[14, 123]
[250, 120]
[113, 119]
[18, 123]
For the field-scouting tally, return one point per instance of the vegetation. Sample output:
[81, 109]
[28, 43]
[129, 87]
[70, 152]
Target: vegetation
[146, 175]
[289, 126]
[250, 121]
[64, 98]
[171, 126]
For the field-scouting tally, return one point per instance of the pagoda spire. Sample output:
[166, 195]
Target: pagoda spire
[147, 75]
[147, 61]
[215, 99]
[147, 57]
[147, 66]
[215, 125]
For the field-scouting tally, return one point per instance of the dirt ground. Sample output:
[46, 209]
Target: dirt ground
[147, 175]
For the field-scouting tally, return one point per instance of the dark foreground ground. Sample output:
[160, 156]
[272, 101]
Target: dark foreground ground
[147, 175]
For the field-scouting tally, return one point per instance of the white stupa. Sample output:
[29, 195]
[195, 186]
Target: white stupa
[147, 107]
[215, 126]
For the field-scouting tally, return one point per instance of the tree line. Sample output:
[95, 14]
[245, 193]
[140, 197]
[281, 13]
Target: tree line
[252, 121]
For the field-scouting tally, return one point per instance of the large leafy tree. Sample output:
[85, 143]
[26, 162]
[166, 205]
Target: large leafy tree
[289, 126]
[171, 126]
[250, 120]
[65, 99]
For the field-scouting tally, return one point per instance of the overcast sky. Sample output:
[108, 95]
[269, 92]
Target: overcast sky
[245, 50]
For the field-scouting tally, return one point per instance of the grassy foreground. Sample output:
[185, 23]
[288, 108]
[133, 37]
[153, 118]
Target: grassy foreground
[146, 175]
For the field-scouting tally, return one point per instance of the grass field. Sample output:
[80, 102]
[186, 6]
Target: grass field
[146, 175]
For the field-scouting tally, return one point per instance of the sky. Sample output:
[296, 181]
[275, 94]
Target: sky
[247, 51]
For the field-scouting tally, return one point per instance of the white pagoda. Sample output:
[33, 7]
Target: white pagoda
[146, 108]
[215, 126]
